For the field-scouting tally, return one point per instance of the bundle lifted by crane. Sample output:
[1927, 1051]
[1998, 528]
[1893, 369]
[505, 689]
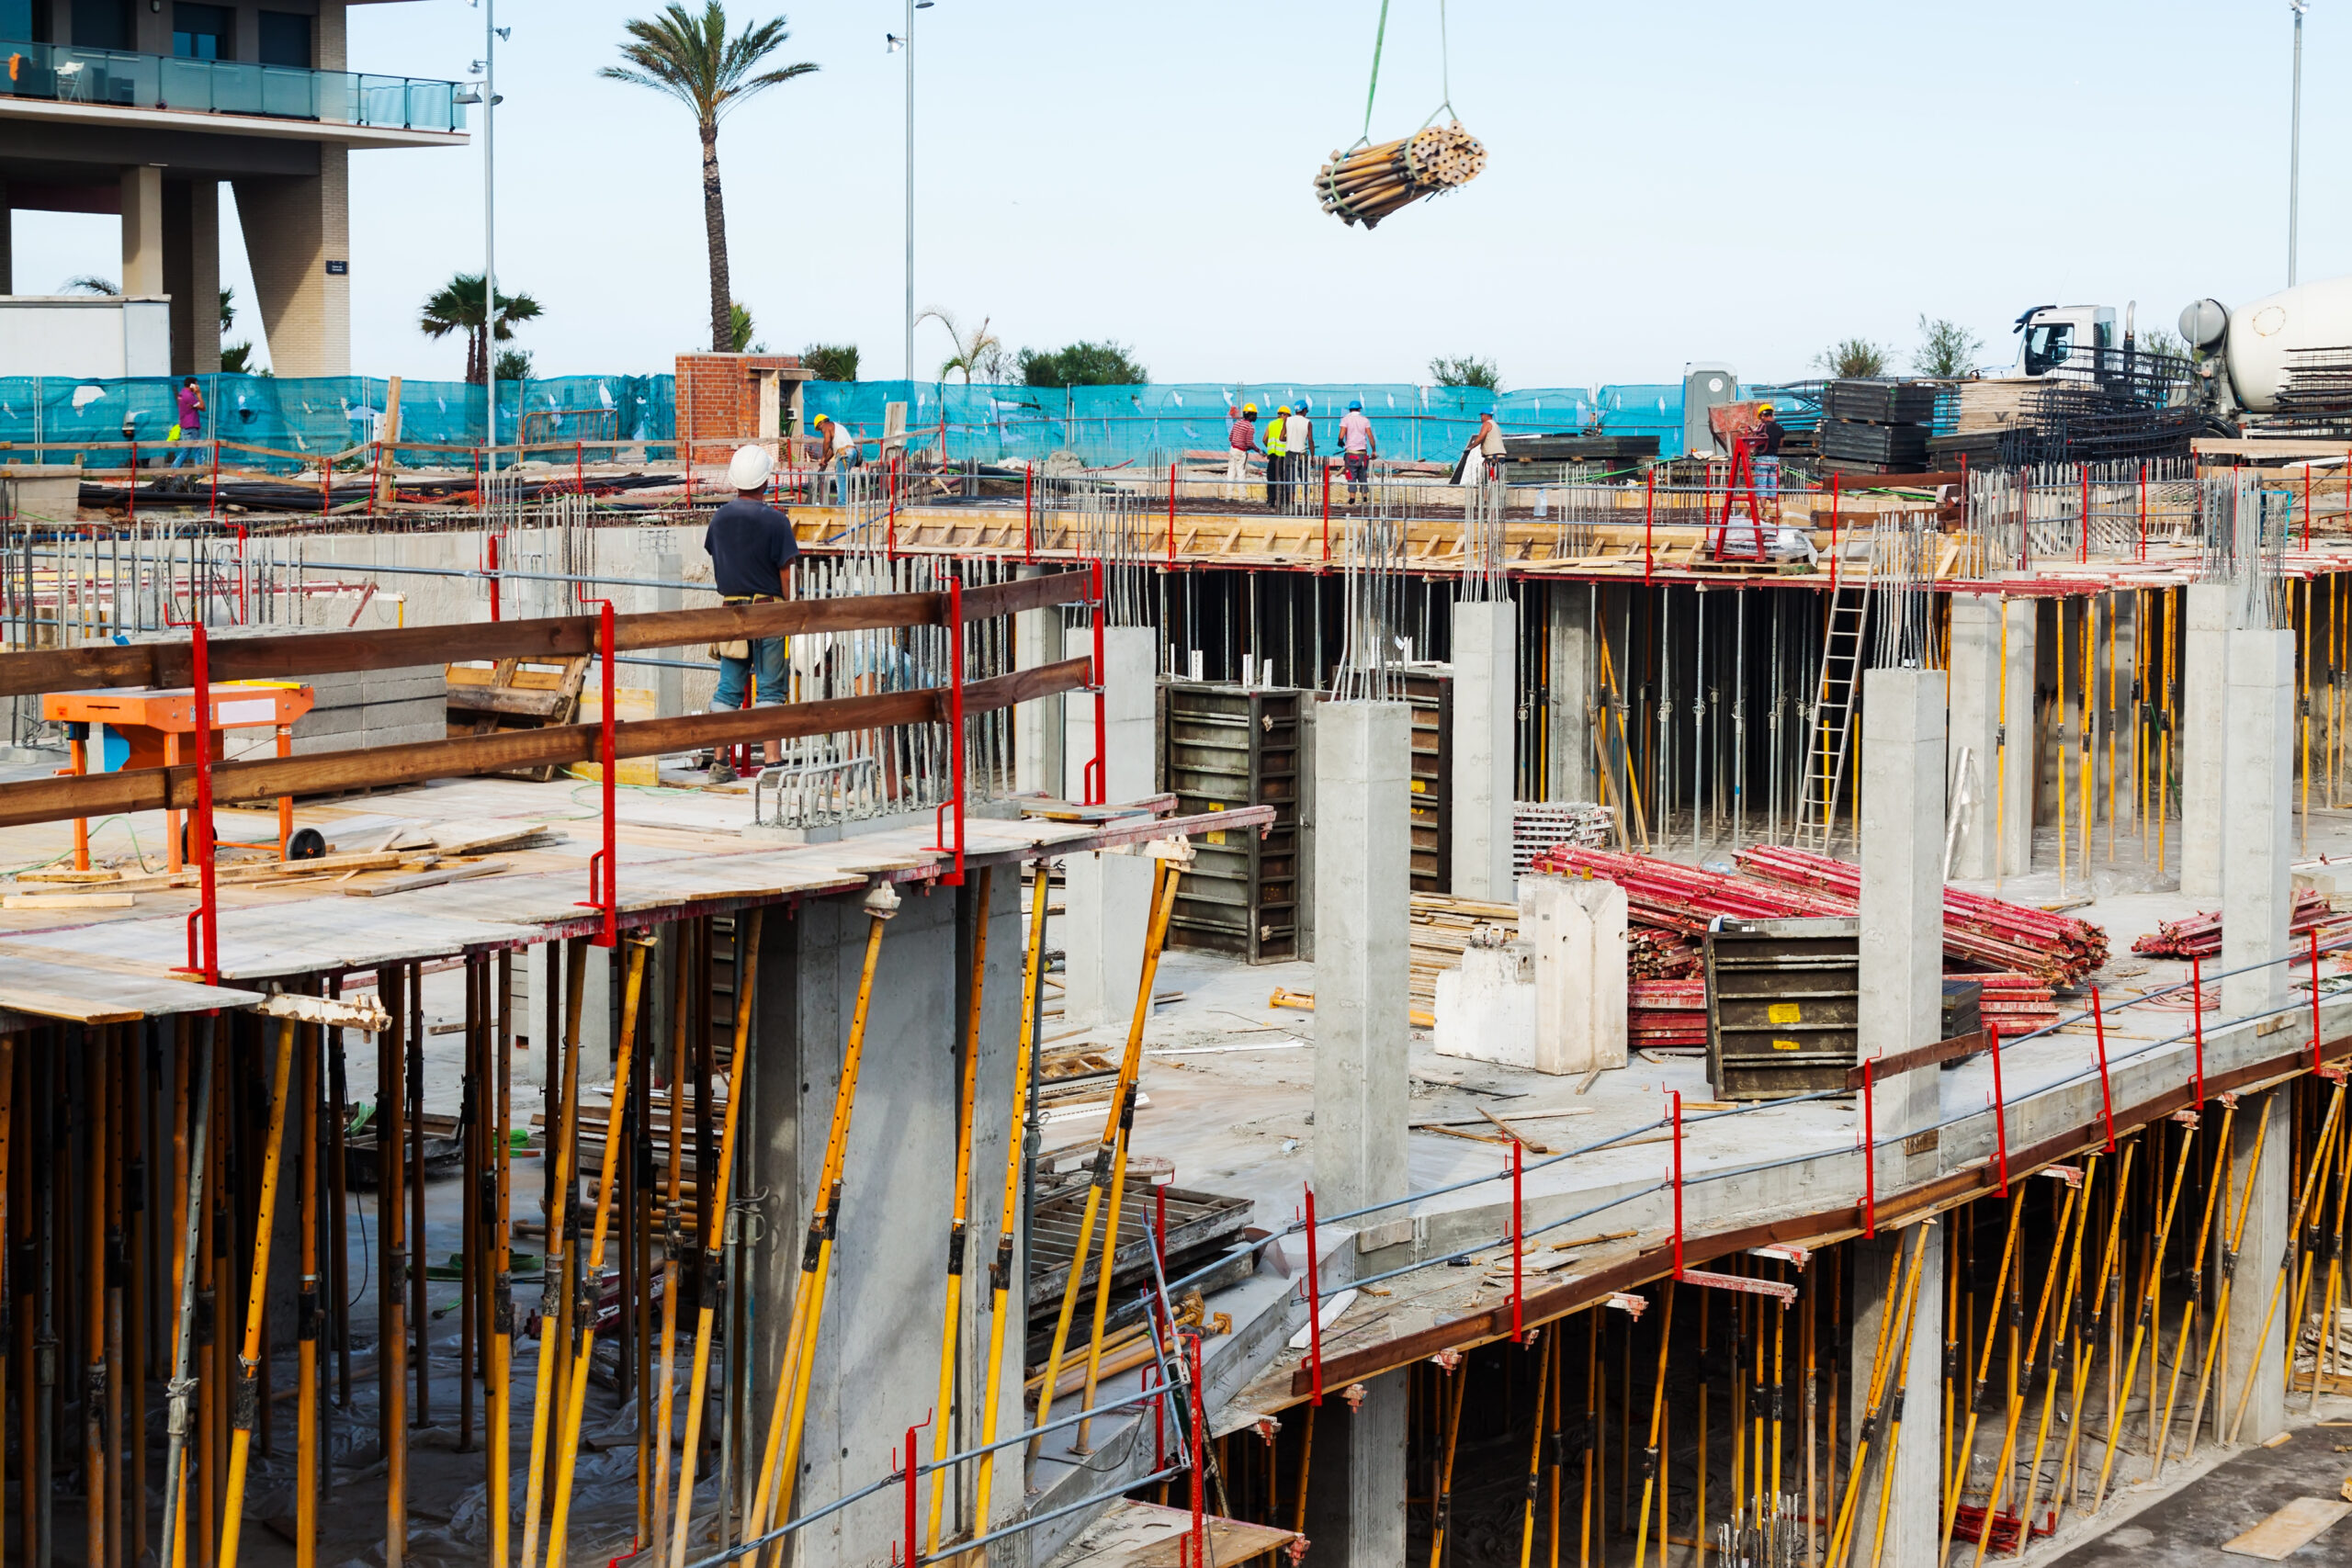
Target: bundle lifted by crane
[1368, 184]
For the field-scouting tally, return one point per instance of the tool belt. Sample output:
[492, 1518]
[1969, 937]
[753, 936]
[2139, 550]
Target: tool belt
[740, 647]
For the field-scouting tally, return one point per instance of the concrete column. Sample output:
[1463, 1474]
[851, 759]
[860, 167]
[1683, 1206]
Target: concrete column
[1569, 681]
[2255, 833]
[1109, 896]
[1913, 1518]
[1975, 727]
[1363, 880]
[1901, 901]
[668, 684]
[142, 230]
[2269, 1234]
[876, 1360]
[1038, 727]
[2204, 649]
[1485, 666]
[295, 227]
[192, 273]
[2014, 784]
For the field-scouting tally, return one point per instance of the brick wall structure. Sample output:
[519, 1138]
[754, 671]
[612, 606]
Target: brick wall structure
[718, 398]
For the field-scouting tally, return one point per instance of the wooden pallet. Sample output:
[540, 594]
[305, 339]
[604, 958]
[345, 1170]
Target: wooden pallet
[514, 694]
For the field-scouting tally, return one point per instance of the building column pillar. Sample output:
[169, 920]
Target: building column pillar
[1485, 666]
[2208, 619]
[1902, 949]
[192, 273]
[2017, 757]
[1913, 1473]
[143, 230]
[2249, 1351]
[1362, 881]
[1975, 729]
[1108, 897]
[1569, 694]
[298, 233]
[2255, 835]
[1038, 727]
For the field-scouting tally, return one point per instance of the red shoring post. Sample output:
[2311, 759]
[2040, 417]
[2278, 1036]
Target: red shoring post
[2307, 504]
[1869, 1151]
[204, 956]
[579, 466]
[1327, 509]
[1518, 1242]
[1200, 1459]
[2083, 531]
[954, 801]
[2106, 1089]
[2197, 1019]
[2000, 1107]
[1098, 792]
[913, 1466]
[1674, 1099]
[1837, 491]
[1649, 520]
[490, 548]
[130, 485]
[2142, 550]
[1314, 1310]
[1028, 488]
[2317, 1064]
[1171, 514]
[604, 891]
[215, 478]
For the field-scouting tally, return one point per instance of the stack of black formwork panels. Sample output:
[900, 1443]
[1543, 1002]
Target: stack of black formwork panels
[1566, 457]
[1226, 746]
[1428, 689]
[1875, 427]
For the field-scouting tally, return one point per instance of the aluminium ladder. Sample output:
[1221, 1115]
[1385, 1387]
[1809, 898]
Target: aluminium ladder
[1836, 698]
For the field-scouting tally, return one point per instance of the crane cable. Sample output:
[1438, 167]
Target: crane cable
[1445, 74]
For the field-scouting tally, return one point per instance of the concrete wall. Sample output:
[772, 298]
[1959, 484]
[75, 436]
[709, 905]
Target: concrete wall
[1109, 896]
[1485, 701]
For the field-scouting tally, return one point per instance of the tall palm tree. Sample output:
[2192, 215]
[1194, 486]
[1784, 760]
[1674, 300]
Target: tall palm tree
[457, 307]
[692, 59]
[972, 348]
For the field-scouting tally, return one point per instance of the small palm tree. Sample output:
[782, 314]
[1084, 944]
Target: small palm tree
[457, 307]
[974, 350]
[692, 59]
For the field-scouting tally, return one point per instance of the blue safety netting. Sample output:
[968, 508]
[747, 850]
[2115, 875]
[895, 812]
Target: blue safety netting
[634, 417]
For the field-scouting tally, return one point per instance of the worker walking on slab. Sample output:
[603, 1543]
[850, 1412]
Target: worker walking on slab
[1240, 440]
[1358, 448]
[1298, 436]
[1277, 458]
[191, 422]
[1486, 443]
[751, 549]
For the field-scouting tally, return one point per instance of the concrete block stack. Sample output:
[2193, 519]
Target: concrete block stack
[373, 707]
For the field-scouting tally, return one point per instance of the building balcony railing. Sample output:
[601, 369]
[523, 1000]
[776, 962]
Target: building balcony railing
[62, 73]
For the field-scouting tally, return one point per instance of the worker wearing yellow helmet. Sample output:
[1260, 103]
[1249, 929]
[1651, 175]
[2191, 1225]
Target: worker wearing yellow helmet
[1241, 439]
[1277, 457]
[840, 450]
[1769, 431]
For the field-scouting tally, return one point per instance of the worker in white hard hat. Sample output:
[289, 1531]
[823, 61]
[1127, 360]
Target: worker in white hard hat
[751, 549]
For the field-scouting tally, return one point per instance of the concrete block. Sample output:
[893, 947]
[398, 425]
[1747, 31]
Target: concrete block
[1575, 930]
[1485, 1009]
[1486, 672]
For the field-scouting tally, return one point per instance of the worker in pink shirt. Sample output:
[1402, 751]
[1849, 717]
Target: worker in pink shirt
[1358, 448]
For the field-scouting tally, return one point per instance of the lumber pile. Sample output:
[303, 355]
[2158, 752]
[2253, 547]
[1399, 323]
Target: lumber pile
[1653, 954]
[1990, 932]
[1441, 927]
[1368, 184]
[2200, 936]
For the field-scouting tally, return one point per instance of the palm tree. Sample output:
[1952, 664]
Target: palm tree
[457, 307]
[692, 59]
[974, 349]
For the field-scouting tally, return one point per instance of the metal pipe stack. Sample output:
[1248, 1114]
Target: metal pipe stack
[1368, 184]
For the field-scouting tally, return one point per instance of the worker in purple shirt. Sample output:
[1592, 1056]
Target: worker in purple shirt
[1240, 440]
[191, 422]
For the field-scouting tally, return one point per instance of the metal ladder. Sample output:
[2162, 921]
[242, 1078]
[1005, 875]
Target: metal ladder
[1839, 694]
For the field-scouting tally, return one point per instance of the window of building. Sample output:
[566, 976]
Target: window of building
[204, 33]
[285, 39]
[102, 24]
[16, 20]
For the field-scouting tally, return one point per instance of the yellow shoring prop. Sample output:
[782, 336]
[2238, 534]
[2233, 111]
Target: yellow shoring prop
[1000, 1270]
[1959, 1480]
[1902, 1370]
[1896, 1288]
[672, 1239]
[1650, 1453]
[2089, 1353]
[942, 1435]
[2059, 1328]
[554, 1304]
[713, 1198]
[2189, 1309]
[591, 1275]
[2229, 1273]
[2147, 1308]
[2328, 1130]
[780, 1459]
[248, 1390]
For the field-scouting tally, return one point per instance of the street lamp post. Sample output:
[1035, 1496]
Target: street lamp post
[907, 45]
[487, 68]
[2295, 140]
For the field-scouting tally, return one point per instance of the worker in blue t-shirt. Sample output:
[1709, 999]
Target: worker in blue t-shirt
[751, 549]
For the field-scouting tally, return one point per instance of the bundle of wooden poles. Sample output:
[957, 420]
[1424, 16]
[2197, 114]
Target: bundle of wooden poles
[1368, 184]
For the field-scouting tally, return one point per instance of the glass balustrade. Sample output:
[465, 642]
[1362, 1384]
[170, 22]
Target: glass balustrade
[62, 73]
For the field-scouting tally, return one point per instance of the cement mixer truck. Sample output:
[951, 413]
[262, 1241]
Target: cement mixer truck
[2251, 358]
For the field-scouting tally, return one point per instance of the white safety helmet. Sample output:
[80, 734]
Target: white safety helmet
[750, 467]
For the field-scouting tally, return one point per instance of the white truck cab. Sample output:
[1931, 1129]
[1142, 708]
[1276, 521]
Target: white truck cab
[2063, 339]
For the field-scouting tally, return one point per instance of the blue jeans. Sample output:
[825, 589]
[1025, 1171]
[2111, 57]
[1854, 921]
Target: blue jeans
[767, 661]
[186, 453]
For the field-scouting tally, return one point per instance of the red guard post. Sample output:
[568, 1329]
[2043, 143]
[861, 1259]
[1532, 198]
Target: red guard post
[2000, 1107]
[2106, 1089]
[2197, 1019]
[1314, 1309]
[1870, 1150]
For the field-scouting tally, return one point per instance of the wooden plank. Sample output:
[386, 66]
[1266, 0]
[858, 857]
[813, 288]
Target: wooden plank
[104, 996]
[428, 879]
[67, 901]
[1143, 1535]
[2290, 1530]
[157, 789]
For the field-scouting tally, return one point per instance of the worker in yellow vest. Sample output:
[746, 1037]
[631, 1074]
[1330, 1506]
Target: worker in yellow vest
[1277, 458]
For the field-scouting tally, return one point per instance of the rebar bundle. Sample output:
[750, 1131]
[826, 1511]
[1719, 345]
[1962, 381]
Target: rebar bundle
[2200, 936]
[1372, 566]
[1368, 184]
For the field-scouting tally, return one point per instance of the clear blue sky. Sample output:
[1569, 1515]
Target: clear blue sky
[1667, 182]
